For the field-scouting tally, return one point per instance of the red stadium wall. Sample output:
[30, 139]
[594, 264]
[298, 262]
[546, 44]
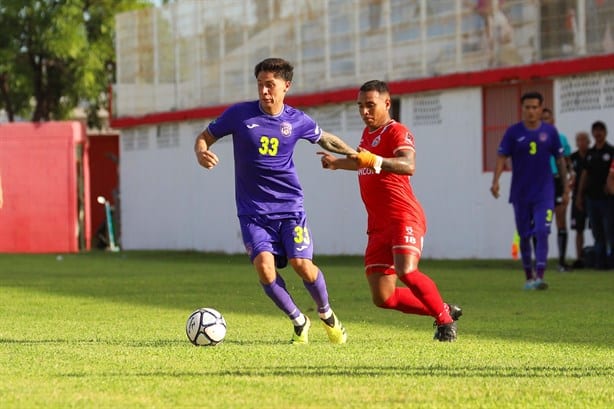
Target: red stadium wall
[42, 174]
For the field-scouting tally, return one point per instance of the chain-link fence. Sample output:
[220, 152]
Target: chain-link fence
[195, 53]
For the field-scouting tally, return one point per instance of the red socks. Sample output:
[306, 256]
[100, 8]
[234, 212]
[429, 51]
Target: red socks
[425, 290]
[405, 301]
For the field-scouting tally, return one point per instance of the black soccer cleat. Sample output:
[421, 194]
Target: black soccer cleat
[455, 311]
[447, 332]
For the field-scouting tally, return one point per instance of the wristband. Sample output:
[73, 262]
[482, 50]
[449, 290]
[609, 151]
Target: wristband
[377, 166]
[367, 159]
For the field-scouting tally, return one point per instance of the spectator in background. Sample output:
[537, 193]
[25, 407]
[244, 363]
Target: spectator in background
[578, 217]
[557, 28]
[498, 33]
[600, 26]
[265, 14]
[598, 202]
[560, 200]
[375, 14]
[605, 24]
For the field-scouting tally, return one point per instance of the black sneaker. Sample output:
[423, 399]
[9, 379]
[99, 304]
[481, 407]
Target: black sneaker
[578, 264]
[455, 311]
[564, 268]
[447, 332]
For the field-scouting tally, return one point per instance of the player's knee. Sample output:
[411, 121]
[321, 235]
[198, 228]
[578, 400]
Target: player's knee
[386, 301]
[304, 268]
[300, 264]
[380, 303]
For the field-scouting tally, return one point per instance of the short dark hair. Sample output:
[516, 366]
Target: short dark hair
[278, 66]
[547, 111]
[599, 125]
[375, 85]
[532, 95]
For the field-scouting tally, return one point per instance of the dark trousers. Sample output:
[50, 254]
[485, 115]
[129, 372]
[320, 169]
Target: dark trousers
[600, 213]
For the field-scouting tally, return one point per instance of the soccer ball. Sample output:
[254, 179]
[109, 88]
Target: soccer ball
[205, 327]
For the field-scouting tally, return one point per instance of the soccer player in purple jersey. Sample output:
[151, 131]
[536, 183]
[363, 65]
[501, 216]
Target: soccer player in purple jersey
[530, 143]
[268, 194]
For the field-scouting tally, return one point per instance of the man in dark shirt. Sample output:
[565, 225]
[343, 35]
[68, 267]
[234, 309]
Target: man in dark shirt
[578, 217]
[598, 201]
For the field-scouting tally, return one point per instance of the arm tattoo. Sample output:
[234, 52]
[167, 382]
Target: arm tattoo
[334, 144]
[400, 165]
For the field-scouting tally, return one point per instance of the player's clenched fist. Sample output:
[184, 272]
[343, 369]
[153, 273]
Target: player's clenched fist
[206, 158]
[328, 160]
[494, 190]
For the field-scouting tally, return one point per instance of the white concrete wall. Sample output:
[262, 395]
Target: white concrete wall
[464, 220]
[169, 202]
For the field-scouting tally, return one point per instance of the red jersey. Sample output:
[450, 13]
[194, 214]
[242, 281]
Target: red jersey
[388, 195]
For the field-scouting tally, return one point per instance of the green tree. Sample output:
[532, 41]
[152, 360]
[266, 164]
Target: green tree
[56, 55]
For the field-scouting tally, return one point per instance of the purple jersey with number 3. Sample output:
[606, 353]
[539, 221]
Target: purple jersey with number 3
[265, 177]
[530, 151]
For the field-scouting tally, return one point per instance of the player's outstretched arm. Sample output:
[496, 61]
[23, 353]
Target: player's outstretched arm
[404, 163]
[333, 163]
[333, 143]
[204, 156]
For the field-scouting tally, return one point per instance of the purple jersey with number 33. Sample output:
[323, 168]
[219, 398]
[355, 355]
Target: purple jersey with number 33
[265, 177]
[530, 150]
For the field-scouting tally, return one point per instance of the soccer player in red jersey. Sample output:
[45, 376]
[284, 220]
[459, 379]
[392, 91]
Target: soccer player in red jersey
[396, 222]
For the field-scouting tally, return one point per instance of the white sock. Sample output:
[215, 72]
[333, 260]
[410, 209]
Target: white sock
[325, 315]
[299, 321]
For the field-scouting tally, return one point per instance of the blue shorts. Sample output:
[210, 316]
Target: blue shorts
[532, 218]
[285, 235]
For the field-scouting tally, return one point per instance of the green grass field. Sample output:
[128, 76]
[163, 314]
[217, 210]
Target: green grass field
[107, 330]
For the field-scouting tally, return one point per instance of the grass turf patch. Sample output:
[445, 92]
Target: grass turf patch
[107, 330]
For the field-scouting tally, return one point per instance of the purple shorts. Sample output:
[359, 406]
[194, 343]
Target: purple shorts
[532, 218]
[285, 235]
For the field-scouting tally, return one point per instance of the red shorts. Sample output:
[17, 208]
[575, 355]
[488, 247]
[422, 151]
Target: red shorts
[396, 238]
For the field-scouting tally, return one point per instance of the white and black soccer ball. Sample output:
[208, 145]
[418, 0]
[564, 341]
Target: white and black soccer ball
[206, 327]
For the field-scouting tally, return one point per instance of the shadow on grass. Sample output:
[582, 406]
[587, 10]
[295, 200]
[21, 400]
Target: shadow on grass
[134, 344]
[59, 341]
[375, 371]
